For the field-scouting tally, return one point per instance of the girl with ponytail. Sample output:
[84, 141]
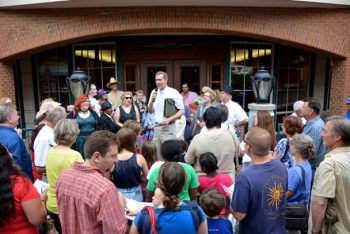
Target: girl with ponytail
[171, 215]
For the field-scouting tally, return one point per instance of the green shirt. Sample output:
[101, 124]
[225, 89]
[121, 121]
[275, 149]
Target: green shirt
[191, 181]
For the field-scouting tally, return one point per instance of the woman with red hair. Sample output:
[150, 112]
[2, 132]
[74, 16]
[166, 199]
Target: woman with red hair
[86, 119]
[290, 126]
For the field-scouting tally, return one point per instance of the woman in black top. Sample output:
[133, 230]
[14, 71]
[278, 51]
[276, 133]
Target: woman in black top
[126, 111]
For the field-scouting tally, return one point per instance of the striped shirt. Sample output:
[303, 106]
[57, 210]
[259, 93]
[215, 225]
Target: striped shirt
[88, 202]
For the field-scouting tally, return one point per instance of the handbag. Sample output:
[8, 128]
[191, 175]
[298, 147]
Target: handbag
[169, 108]
[297, 215]
[237, 153]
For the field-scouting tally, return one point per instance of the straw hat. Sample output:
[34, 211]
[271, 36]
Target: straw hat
[46, 105]
[112, 81]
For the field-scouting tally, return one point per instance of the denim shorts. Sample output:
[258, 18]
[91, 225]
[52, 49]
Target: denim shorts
[132, 193]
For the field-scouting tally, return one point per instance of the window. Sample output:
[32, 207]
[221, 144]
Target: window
[97, 60]
[246, 59]
[293, 79]
[52, 71]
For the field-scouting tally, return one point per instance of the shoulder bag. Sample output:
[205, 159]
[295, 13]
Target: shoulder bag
[297, 215]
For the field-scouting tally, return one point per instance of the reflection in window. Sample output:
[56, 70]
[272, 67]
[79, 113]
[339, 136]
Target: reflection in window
[293, 79]
[52, 71]
[246, 59]
[97, 60]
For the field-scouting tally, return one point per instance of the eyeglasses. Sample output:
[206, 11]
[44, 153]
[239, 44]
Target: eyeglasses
[128, 98]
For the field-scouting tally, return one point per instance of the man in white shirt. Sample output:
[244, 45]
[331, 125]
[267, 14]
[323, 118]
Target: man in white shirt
[45, 138]
[237, 117]
[165, 129]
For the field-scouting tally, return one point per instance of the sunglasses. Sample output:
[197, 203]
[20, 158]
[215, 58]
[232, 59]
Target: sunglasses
[128, 98]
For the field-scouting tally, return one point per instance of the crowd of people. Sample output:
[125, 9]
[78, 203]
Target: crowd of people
[181, 152]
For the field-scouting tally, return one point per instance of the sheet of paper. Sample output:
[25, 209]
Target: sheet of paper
[41, 186]
[135, 205]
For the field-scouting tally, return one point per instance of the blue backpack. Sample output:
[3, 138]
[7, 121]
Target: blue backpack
[149, 215]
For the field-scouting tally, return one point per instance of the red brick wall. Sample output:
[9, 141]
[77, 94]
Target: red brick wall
[7, 85]
[320, 30]
[340, 86]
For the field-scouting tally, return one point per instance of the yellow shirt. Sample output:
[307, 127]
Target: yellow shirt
[57, 160]
[332, 180]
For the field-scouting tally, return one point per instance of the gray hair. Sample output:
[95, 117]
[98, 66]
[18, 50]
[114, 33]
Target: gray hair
[6, 110]
[223, 111]
[298, 105]
[66, 132]
[304, 145]
[164, 74]
[340, 127]
[56, 114]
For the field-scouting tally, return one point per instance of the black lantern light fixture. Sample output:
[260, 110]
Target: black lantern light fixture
[262, 83]
[78, 83]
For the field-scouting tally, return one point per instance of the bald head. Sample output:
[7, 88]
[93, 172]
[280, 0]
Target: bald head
[259, 140]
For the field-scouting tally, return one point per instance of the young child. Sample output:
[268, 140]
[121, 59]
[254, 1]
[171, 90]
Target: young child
[212, 179]
[148, 126]
[149, 152]
[212, 202]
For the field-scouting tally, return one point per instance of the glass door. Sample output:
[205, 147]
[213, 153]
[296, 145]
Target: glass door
[148, 72]
[191, 72]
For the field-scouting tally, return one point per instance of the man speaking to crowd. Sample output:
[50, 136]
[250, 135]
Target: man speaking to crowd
[165, 129]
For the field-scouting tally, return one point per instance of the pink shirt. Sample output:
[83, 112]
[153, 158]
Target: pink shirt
[189, 97]
[215, 182]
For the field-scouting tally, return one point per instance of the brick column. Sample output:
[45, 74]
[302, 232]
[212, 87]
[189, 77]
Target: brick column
[340, 86]
[7, 83]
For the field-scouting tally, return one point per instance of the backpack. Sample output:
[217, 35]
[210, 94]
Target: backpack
[149, 215]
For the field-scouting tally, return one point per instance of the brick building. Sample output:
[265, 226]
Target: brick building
[305, 45]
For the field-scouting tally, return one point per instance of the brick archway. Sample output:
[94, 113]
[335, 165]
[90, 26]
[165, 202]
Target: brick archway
[30, 30]
[321, 30]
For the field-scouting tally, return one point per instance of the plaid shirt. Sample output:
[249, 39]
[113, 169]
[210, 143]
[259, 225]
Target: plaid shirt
[88, 202]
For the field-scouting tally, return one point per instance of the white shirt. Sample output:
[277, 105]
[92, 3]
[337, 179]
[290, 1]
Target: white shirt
[158, 105]
[236, 114]
[95, 105]
[43, 142]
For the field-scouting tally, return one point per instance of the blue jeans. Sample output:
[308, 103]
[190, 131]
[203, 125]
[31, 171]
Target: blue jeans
[134, 193]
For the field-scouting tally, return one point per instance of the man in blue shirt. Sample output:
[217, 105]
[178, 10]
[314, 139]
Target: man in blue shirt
[11, 140]
[347, 114]
[259, 197]
[313, 128]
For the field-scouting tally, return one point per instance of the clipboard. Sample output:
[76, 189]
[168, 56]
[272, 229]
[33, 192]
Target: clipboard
[169, 108]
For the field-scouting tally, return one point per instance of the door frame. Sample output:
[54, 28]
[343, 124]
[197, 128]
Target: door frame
[190, 63]
[143, 74]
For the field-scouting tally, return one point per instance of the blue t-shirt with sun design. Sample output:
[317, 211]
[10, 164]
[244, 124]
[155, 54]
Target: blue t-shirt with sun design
[260, 193]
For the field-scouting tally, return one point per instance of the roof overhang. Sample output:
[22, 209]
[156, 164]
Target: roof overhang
[42, 4]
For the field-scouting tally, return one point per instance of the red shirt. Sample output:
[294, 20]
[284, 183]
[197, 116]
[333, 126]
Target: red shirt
[88, 202]
[215, 182]
[23, 190]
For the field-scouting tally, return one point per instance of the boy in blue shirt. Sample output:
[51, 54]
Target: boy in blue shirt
[212, 202]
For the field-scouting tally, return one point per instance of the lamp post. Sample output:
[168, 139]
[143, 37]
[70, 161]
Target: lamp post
[78, 84]
[262, 83]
